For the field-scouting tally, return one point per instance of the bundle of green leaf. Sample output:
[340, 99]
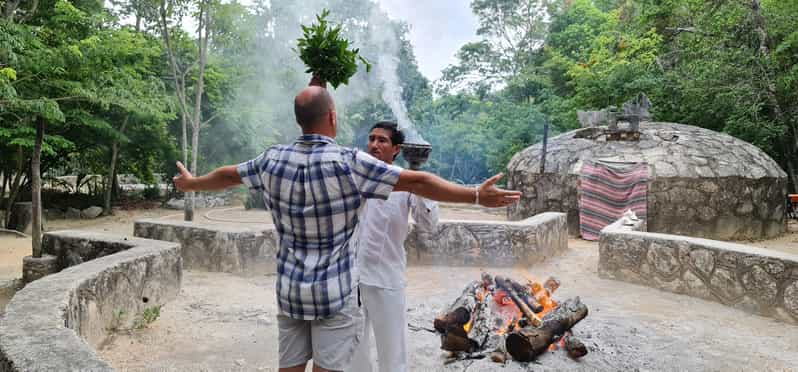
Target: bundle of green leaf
[327, 54]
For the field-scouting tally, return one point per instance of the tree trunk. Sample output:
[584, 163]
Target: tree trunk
[107, 211]
[36, 192]
[17, 184]
[11, 7]
[6, 177]
[203, 31]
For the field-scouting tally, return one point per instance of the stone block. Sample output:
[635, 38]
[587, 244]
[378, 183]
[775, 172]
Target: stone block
[760, 285]
[490, 243]
[664, 259]
[217, 248]
[34, 268]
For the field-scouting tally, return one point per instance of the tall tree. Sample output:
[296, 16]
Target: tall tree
[190, 110]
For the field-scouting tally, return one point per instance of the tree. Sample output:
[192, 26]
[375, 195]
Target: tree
[512, 31]
[190, 111]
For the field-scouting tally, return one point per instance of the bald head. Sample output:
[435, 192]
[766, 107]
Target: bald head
[311, 106]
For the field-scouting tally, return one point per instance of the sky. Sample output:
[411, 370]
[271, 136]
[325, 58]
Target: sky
[438, 28]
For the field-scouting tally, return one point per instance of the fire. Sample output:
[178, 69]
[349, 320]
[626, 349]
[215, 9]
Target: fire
[543, 296]
[480, 296]
[559, 344]
[467, 326]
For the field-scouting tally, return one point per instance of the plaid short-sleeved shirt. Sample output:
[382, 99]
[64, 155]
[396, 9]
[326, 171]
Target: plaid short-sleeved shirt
[314, 190]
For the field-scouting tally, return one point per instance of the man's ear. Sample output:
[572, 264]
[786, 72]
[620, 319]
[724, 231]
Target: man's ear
[334, 121]
[396, 150]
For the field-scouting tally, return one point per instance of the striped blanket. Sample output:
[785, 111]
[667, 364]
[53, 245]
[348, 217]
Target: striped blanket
[606, 191]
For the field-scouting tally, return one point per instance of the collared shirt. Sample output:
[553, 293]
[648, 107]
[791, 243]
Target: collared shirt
[314, 190]
[381, 257]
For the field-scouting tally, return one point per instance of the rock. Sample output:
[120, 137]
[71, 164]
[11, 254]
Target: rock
[761, 285]
[72, 213]
[703, 260]
[91, 212]
[664, 259]
[176, 204]
[54, 214]
[724, 283]
[791, 298]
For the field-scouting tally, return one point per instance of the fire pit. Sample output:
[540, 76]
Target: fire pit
[416, 154]
[503, 319]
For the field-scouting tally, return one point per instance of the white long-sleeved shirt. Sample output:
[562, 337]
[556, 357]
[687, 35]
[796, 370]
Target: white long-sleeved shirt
[384, 225]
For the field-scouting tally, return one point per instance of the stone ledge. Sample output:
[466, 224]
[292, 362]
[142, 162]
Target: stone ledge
[56, 322]
[756, 280]
[217, 247]
[210, 247]
[503, 243]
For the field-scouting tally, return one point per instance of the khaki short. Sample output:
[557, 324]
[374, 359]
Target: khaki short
[330, 342]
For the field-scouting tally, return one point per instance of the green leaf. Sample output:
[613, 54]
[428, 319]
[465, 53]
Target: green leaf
[9, 72]
[326, 53]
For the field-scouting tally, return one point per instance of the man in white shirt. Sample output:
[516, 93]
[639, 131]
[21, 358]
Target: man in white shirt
[381, 260]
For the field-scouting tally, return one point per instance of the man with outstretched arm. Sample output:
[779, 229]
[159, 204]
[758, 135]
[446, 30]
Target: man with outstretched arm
[314, 189]
[381, 260]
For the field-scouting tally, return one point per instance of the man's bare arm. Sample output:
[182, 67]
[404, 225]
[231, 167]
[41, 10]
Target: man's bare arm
[433, 187]
[218, 179]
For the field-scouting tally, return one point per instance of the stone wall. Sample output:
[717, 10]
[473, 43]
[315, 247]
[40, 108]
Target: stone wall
[730, 208]
[490, 242]
[702, 183]
[208, 247]
[548, 192]
[215, 247]
[755, 280]
[56, 323]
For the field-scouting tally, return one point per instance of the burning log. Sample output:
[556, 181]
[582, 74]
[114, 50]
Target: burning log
[522, 305]
[525, 293]
[459, 313]
[527, 343]
[574, 347]
[456, 339]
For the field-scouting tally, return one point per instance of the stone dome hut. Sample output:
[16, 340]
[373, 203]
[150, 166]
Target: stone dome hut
[701, 183]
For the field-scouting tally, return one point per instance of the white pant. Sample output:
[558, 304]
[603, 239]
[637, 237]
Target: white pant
[384, 311]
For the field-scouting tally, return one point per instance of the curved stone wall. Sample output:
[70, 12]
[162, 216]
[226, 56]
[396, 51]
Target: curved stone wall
[55, 323]
[756, 280]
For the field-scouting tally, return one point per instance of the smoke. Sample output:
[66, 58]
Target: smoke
[384, 34]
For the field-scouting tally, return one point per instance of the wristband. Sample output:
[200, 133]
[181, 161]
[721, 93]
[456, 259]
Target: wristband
[476, 191]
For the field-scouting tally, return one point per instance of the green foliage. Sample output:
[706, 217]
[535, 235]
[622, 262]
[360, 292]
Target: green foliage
[147, 317]
[326, 53]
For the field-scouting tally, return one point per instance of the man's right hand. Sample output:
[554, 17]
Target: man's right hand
[183, 181]
[492, 196]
